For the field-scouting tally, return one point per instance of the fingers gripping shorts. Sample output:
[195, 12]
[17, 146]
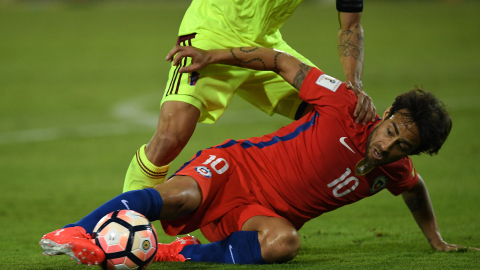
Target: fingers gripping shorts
[212, 88]
[227, 197]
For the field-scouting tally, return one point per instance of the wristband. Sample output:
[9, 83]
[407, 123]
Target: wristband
[350, 6]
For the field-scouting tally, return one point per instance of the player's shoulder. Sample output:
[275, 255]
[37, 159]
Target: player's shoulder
[316, 79]
[327, 93]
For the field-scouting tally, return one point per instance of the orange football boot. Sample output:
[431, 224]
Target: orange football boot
[74, 242]
[171, 252]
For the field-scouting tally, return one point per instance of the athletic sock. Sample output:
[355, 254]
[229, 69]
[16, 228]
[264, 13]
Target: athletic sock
[239, 248]
[142, 173]
[147, 202]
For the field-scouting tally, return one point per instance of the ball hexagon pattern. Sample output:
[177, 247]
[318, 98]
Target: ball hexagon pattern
[128, 239]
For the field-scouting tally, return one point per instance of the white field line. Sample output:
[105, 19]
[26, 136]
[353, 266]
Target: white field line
[133, 118]
[50, 134]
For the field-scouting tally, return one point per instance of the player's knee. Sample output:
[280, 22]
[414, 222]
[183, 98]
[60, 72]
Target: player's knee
[169, 140]
[281, 247]
[181, 195]
[176, 126]
[164, 147]
[174, 197]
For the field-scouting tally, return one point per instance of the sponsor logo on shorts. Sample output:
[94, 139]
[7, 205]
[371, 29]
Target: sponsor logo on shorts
[378, 184]
[328, 82]
[204, 171]
[193, 78]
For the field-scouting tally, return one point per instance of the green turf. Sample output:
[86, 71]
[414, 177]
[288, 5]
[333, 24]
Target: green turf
[80, 84]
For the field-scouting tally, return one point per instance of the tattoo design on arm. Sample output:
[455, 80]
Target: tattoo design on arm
[300, 76]
[415, 201]
[247, 62]
[247, 51]
[275, 60]
[351, 43]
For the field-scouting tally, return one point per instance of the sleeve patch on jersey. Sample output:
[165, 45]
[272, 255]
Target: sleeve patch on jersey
[328, 82]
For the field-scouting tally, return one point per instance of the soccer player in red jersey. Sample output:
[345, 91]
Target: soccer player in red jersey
[250, 197]
[204, 96]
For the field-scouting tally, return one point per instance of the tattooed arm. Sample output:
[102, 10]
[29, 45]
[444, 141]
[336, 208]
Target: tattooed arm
[290, 68]
[350, 47]
[418, 202]
[350, 51]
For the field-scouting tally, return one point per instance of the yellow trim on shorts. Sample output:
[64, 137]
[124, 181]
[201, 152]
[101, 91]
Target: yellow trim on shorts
[185, 98]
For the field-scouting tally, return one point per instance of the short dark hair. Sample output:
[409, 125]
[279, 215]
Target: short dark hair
[430, 116]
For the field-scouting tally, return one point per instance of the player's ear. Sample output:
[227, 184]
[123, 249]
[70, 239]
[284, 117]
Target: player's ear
[387, 112]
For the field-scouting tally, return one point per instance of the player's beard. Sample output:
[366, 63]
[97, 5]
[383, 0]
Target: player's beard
[374, 162]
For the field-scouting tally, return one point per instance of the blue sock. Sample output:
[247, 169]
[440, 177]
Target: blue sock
[239, 248]
[145, 201]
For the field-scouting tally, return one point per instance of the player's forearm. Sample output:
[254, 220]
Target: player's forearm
[258, 58]
[288, 67]
[249, 57]
[350, 47]
[418, 201]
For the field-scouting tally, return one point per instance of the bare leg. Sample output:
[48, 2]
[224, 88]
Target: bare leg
[181, 195]
[279, 240]
[150, 164]
[176, 125]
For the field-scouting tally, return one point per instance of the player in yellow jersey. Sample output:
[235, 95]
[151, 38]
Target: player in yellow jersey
[204, 95]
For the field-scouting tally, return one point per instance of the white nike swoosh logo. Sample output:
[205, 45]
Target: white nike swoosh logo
[125, 203]
[231, 253]
[342, 141]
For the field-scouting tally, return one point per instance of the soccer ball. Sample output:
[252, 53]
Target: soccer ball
[128, 239]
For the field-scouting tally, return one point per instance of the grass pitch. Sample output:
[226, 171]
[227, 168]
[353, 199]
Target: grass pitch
[80, 85]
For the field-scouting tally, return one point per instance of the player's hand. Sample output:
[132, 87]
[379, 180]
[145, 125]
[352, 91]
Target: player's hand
[199, 58]
[444, 246]
[364, 110]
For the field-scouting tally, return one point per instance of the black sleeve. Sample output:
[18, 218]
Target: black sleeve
[350, 6]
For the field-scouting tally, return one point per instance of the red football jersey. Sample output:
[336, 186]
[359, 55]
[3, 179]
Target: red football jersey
[307, 168]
